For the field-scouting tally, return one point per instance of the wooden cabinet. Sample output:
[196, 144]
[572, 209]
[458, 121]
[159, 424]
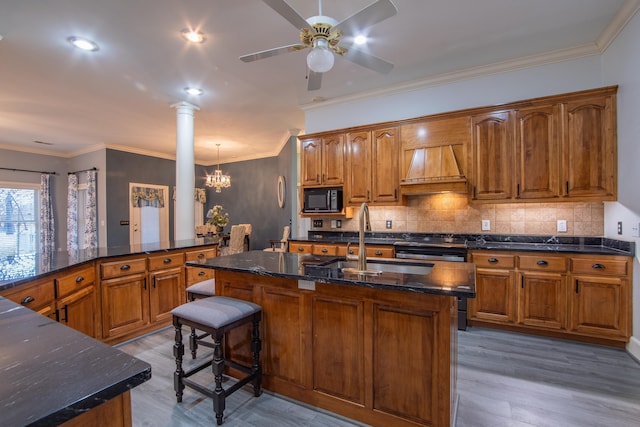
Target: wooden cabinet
[589, 154]
[125, 300]
[198, 274]
[300, 247]
[600, 296]
[77, 300]
[322, 160]
[166, 285]
[561, 148]
[583, 296]
[372, 162]
[340, 249]
[37, 295]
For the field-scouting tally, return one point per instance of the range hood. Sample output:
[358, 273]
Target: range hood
[434, 156]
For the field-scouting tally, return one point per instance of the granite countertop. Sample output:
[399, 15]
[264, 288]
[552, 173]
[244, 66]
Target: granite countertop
[52, 373]
[16, 271]
[443, 278]
[543, 243]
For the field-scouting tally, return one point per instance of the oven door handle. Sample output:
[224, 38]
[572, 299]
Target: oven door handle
[455, 258]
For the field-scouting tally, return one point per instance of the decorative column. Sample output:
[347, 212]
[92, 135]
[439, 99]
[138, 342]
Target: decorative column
[185, 172]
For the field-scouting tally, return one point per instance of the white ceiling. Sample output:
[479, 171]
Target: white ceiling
[120, 96]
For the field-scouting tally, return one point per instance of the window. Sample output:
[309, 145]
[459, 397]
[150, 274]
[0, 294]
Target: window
[19, 213]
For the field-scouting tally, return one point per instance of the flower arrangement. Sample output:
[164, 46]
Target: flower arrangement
[217, 216]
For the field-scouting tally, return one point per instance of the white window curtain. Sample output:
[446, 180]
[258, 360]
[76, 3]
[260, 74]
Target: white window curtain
[91, 213]
[72, 212]
[47, 225]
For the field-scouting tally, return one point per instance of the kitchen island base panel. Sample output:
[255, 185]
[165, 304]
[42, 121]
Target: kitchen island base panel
[382, 357]
[113, 413]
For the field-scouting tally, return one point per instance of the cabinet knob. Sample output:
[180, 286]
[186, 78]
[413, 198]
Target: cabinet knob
[598, 266]
[300, 249]
[200, 255]
[79, 279]
[324, 250]
[492, 260]
[26, 300]
[201, 273]
[378, 253]
[167, 260]
[542, 262]
[125, 267]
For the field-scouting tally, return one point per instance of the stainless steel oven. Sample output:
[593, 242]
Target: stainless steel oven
[438, 249]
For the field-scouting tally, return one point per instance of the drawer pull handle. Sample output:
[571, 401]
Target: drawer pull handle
[542, 262]
[350, 251]
[598, 266]
[201, 273]
[324, 250]
[65, 319]
[300, 249]
[167, 260]
[492, 260]
[200, 255]
[378, 253]
[125, 267]
[79, 279]
[26, 300]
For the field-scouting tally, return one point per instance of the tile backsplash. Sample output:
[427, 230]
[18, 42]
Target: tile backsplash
[452, 213]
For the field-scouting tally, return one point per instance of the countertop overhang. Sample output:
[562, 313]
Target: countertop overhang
[445, 278]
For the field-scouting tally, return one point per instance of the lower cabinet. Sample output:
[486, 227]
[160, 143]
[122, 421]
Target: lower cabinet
[340, 249]
[125, 305]
[77, 300]
[582, 296]
[37, 295]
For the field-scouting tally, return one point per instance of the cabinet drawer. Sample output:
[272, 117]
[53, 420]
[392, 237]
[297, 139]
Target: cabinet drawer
[198, 274]
[301, 248]
[160, 262]
[33, 297]
[325, 249]
[109, 270]
[543, 262]
[380, 251]
[600, 265]
[493, 260]
[202, 254]
[70, 283]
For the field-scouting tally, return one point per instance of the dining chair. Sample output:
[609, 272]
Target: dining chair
[281, 245]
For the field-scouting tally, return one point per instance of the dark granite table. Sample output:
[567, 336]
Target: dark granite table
[443, 278]
[52, 373]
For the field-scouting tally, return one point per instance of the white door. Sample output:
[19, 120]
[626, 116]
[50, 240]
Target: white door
[149, 224]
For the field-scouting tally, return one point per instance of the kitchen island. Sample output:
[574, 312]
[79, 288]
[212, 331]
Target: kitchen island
[54, 375]
[380, 349]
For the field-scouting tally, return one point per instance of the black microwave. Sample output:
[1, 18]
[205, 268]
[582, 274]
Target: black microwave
[317, 200]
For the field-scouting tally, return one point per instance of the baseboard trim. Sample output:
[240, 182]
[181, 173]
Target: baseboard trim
[633, 347]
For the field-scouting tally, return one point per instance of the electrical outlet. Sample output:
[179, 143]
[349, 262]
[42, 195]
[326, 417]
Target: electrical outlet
[619, 227]
[338, 223]
[317, 223]
[635, 230]
[486, 225]
[333, 223]
[562, 226]
[389, 223]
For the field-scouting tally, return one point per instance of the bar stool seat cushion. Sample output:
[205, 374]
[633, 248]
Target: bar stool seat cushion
[206, 287]
[216, 312]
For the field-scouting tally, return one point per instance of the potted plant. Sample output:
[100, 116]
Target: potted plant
[218, 217]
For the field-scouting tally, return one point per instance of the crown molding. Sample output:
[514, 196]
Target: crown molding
[626, 12]
[33, 150]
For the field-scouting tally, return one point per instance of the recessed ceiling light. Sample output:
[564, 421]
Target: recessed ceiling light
[82, 43]
[192, 36]
[360, 39]
[193, 91]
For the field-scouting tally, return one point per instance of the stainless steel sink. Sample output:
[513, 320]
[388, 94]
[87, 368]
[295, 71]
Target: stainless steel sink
[377, 268]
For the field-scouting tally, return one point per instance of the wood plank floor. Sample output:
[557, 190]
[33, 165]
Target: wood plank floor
[504, 379]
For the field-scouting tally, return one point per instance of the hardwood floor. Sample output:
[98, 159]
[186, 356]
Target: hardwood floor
[504, 379]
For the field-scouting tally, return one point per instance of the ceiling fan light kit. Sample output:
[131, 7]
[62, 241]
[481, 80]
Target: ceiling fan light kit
[322, 35]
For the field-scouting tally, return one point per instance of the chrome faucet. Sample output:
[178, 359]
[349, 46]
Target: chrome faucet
[365, 223]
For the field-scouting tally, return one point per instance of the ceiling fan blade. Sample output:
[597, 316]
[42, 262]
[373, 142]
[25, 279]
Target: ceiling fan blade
[315, 80]
[370, 15]
[272, 52]
[288, 13]
[368, 61]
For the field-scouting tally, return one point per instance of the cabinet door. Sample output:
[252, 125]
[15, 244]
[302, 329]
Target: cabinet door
[384, 166]
[542, 300]
[79, 311]
[600, 306]
[359, 165]
[125, 305]
[311, 155]
[537, 152]
[495, 296]
[333, 160]
[166, 292]
[589, 154]
[492, 156]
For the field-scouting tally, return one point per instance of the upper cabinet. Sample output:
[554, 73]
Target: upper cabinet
[323, 160]
[372, 159]
[549, 149]
[434, 154]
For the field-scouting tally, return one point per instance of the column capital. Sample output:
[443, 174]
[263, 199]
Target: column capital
[183, 105]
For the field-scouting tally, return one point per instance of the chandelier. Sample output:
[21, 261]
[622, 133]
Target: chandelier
[218, 180]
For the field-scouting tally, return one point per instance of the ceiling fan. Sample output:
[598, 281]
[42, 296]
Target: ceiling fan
[322, 35]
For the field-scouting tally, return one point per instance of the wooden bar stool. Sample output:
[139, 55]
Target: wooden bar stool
[203, 289]
[216, 316]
